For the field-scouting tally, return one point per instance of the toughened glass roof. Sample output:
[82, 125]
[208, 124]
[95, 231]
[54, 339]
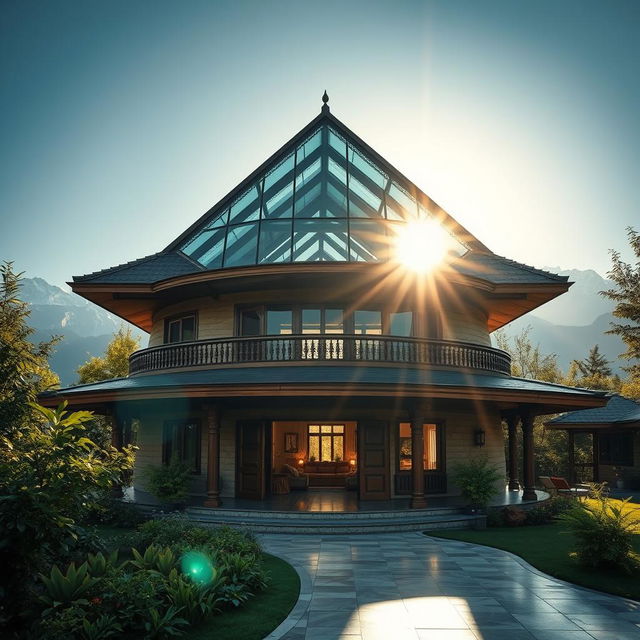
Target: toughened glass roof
[325, 200]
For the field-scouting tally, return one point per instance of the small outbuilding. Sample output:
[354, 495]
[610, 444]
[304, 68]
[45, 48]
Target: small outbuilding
[614, 435]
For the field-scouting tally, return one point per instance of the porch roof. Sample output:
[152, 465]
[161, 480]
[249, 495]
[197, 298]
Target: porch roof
[333, 381]
[619, 411]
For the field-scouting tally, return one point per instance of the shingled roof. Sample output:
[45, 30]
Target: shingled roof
[618, 411]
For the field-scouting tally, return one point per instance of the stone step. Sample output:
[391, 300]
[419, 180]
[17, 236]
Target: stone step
[316, 525]
[325, 515]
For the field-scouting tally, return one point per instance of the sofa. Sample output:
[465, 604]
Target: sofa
[329, 474]
[297, 480]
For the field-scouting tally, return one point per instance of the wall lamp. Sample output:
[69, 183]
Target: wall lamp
[479, 437]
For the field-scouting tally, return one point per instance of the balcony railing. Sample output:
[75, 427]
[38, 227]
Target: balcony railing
[318, 349]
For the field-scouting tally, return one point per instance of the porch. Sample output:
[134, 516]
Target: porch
[332, 511]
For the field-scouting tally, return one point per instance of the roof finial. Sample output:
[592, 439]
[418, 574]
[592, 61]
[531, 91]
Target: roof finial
[325, 100]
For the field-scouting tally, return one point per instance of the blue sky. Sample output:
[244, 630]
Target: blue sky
[122, 122]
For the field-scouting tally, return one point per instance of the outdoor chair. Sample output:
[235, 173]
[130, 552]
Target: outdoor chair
[557, 486]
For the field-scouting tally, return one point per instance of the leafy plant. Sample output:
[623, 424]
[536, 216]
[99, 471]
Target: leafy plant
[163, 625]
[603, 532]
[105, 626]
[195, 602]
[99, 564]
[67, 588]
[242, 569]
[168, 482]
[155, 558]
[477, 480]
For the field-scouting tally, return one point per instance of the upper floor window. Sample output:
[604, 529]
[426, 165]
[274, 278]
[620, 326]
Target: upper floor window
[287, 320]
[180, 328]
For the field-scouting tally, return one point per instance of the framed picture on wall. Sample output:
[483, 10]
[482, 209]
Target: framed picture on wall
[291, 442]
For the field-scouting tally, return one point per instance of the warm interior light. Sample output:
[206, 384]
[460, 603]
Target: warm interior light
[421, 245]
[300, 462]
[352, 462]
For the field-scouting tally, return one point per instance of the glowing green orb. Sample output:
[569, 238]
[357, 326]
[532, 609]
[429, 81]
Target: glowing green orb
[198, 567]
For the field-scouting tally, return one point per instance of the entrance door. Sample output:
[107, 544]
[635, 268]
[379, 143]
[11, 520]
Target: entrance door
[250, 467]
[373, 460]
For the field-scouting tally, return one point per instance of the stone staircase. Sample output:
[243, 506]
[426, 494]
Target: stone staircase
[333, 522]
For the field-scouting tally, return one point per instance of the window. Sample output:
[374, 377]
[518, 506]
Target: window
[367, 322]
[181, 439]
[250, 322]
[326, 442]
[616, 448]
[432, 440]
[401, 323]
[180, 328]
[279, 322]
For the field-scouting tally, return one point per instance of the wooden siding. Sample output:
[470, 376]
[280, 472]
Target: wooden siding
[470, 326]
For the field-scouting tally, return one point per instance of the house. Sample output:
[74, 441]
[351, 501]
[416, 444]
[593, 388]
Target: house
[326, 315]
[611, 435]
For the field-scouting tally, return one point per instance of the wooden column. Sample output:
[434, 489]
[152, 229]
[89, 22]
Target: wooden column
[418, 500]
[572, 456]
[512, 423]
[528, 462]
[213, 456]
[595, 455]
[116, 432]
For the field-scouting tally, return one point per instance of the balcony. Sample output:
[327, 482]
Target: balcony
[320, 349]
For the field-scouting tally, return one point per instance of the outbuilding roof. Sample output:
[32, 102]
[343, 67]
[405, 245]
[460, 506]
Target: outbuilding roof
[618, 411]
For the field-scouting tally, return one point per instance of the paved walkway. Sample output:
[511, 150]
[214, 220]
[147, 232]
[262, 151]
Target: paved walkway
[408, 586]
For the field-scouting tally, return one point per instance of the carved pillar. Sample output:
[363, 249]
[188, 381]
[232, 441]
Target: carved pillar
[418, 500]
[213, 456]
[116, 432]
[512, 423]
[528, 462]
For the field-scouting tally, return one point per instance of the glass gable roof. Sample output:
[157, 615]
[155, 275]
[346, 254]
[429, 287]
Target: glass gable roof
[324, 201]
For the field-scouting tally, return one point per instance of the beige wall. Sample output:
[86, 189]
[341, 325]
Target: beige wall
[461, 419]
[216, 316]
[470, 326]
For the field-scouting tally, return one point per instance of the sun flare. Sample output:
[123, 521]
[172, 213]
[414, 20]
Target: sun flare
[421, 245]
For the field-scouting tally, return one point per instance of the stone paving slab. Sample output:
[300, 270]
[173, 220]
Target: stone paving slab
[407, 586]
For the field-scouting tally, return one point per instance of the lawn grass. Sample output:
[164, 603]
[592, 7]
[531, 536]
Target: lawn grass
[254, 620]
[262, 614]
[548, 548]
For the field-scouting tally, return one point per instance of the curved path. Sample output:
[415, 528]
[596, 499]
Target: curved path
[409, 586]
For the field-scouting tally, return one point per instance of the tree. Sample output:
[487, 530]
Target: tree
[592, 373]
[528, 361]
[24, 367]
[114, 363]
[50, 474]
[626, 295]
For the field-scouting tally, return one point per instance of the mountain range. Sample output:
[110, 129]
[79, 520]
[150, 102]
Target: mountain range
[85, 328]
[567, 326]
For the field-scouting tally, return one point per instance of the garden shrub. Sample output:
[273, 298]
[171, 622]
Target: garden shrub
[180, 575]
[477, 479]
[549, 511]
[603, 532]
[495, 518]
[114, 512]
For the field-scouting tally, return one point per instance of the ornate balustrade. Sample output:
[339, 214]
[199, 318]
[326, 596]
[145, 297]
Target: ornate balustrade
[318, 349]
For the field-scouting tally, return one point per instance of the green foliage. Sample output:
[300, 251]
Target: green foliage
[24, 368]
[105, 626]
[195, 602]
[168, 482]
[114, 363]
[114, 512]
[477, 480]
[626, 295]
[99, 564]
[69, 587]
[527, 361]
[49, 473]
[162, 560]
[164, 625]
[549, 511]
[603, 532]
